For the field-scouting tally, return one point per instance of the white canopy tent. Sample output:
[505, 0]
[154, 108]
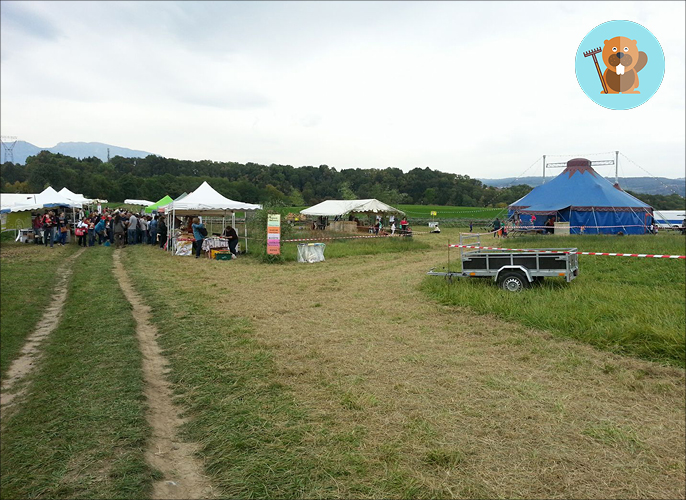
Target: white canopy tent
[49, 198]
[206, 201]
[332, 208]
[10, 200]
[75, 197]
[142, 203]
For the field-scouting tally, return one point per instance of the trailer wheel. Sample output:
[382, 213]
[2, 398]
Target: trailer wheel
[513, 282]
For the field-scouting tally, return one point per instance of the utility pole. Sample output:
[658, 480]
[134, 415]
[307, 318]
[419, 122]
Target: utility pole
[543, 169]
[616, 167]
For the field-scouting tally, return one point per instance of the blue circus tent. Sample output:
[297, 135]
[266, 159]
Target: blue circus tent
[585, 199]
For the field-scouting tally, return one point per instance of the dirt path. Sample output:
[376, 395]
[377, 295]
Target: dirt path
[182, 471]
[31, 352]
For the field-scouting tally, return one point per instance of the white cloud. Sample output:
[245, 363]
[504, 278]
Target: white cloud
[476, 88]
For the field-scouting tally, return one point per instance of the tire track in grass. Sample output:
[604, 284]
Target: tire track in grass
[31, 352]
[182, 471]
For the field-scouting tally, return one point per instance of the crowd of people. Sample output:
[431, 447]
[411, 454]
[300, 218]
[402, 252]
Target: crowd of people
[109, 227]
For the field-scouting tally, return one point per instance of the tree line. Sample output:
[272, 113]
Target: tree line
[153, 177]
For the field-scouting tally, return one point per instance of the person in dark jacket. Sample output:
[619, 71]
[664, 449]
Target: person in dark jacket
[49, 224]
[231, 234]
[162, 231]
[118, 230]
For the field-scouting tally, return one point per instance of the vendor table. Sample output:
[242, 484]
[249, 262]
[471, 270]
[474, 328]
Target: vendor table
[214, 242]
[23, 235]
[183, 246]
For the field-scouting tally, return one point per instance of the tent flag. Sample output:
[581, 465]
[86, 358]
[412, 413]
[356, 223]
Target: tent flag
[332, 208]
[582, 197]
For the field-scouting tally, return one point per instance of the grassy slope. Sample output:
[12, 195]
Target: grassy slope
[27, 278]
[81, 431]
[631, 306]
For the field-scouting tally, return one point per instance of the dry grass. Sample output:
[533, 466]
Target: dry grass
[434, 401]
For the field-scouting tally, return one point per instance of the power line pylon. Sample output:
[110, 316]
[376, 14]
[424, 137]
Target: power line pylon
[8, 143]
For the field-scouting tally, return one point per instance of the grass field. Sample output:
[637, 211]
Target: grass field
[627, 305]
[423, 212]
[81, 429]
[27, 276]
[352, 247]
[448, 212]
[361, 377]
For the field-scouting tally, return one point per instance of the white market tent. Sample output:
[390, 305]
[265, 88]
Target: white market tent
[9, 200]
[142, 203]
[206, 201]
[332, 208]
[49, 198]
[75, 197]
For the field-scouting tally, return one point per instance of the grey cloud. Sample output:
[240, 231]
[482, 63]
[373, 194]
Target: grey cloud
[230, 99]
[20, 16]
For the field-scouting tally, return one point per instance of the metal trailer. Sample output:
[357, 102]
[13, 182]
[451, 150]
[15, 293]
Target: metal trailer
[514, 271]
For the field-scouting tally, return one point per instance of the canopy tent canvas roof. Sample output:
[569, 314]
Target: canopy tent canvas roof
[207, 201]
[142, 203]
[164, 201]
[582, 197]
[332, 208]
[73, 196]
[48, 198]
[8, 200]
[204, 201]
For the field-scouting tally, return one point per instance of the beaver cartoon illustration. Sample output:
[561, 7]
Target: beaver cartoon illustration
[623, 61]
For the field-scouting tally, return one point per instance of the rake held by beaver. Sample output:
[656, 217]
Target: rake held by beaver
[597, 67]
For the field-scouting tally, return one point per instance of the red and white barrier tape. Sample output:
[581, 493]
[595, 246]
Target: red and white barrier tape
[656, 256]
[339, 238]
[585, 226]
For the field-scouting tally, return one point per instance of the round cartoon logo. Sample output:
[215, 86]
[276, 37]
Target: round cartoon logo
[620, 65]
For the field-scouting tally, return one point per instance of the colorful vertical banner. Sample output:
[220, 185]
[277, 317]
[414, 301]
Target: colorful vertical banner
[273, 234]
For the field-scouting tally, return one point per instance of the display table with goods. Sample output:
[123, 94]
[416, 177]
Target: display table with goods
[215, 243]
[183, 243]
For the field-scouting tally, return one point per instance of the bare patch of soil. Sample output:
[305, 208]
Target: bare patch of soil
[183, 472]
[31, 352]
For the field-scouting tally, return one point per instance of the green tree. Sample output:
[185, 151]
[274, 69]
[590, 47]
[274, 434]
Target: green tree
[345, 192]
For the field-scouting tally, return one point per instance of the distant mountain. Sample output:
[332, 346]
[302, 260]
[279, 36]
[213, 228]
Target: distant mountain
[22, 150]
[647, 185]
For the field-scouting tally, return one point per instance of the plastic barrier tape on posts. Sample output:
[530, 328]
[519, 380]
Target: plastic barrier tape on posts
[341, 238]
[577, 253]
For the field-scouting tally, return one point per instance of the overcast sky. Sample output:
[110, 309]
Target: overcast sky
[475, 88]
